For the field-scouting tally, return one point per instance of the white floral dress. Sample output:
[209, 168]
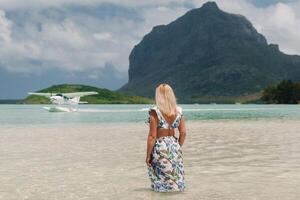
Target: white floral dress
[167, 171]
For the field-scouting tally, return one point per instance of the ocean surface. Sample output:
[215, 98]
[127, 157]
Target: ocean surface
[36, 115]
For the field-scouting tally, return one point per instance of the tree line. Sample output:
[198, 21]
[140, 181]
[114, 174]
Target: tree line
[285, 92]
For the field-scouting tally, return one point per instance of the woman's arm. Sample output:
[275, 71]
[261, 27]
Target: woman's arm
[182, 131]
[151, 136]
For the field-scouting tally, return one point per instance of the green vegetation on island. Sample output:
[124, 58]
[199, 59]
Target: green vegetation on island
[104, 96]
[286, 92]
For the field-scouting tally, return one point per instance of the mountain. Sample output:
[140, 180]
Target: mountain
[104, 96]
[208, 55]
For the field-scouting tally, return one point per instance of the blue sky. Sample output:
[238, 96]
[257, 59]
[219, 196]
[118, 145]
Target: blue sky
[46, 42]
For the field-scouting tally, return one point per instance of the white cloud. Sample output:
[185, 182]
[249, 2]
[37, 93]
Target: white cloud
[17, 4]
[4, 28]
[41, 37]
[66, 45]
[279, 23]
[65, 33]
[37, 35]
[104, 37]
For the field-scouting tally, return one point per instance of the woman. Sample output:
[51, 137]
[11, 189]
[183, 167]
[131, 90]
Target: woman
[164, 155]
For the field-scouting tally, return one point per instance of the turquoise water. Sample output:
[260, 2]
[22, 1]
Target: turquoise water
[35, 114]
[79, 155]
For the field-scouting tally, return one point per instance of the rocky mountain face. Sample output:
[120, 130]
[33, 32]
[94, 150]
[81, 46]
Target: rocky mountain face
[208, 55]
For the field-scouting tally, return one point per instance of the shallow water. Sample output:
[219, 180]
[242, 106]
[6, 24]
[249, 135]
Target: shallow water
[36, 115]
[224, 159]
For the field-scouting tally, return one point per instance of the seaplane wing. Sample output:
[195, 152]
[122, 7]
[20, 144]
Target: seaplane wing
[71, 99]
[79, 94]
[41, 94]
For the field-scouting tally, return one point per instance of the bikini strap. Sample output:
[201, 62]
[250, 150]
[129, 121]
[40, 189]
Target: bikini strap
[162, 123]
[179, 115]
[154, 108]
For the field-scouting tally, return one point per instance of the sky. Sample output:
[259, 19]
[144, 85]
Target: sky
[46, 42]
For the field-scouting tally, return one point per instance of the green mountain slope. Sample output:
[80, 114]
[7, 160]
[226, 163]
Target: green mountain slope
[104, 96]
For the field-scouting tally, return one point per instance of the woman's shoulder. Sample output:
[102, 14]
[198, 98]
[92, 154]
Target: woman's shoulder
[153, 110]
[179, 110]
[153, 113]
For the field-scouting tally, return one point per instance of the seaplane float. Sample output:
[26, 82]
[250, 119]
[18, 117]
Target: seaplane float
[64, 102]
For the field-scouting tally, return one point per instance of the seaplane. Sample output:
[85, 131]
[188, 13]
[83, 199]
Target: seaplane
[64, 102]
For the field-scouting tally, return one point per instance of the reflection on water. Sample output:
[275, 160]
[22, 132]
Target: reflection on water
[223, 160]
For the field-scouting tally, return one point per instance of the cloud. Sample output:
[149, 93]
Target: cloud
[17, 85]
[38, 4]
[87, 37]
[104, 37]
[75, 35]
[266, 3]
[4, 28]
[278, 22]
[41, 39]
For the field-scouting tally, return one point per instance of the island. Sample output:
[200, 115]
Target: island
[104, 96]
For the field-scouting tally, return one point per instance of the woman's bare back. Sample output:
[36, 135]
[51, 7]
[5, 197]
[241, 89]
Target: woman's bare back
[161, 132]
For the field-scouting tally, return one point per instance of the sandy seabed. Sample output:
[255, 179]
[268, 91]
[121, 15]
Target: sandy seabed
[224, 159]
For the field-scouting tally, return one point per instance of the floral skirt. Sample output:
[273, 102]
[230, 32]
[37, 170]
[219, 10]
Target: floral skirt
[166, 171]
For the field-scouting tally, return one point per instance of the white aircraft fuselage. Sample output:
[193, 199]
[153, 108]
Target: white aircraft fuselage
[60, 99]
[64, 99]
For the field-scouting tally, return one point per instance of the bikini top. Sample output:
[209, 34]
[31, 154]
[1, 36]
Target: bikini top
[162, 122]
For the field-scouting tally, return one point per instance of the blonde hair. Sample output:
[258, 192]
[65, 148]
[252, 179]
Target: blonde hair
[165, 99]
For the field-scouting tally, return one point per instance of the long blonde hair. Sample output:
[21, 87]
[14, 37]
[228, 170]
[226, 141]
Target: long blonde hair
[165, 99]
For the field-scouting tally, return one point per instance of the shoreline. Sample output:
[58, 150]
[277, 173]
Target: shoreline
[141, 123]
